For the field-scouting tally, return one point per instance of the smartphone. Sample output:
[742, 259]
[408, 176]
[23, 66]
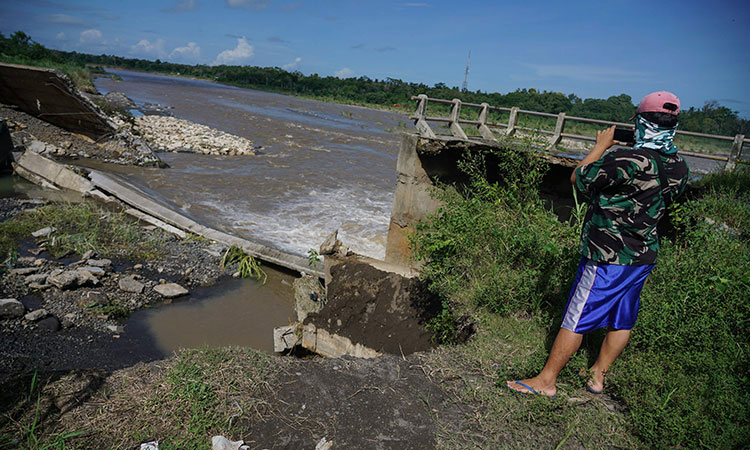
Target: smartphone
[625, 136]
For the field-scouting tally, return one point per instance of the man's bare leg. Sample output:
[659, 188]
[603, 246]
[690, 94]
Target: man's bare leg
[613, 344]
[566, 343]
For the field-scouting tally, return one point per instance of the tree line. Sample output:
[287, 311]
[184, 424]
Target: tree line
[389, 92]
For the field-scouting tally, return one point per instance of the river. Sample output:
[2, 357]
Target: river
[322, 167]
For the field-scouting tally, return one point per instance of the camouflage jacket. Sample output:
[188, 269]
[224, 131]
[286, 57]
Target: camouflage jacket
[626, 203]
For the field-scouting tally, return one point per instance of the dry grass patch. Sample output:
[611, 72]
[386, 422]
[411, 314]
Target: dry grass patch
[182, 401]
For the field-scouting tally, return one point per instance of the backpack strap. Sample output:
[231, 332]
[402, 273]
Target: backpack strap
[663, 181]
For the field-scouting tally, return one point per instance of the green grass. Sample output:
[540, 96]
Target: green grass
[494, 252]
[247, 266]
[81, 227]
[78, 74]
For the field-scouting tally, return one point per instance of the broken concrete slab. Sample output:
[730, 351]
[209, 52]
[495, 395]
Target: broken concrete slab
[133, 196]
[285, 338]
[384, 310]
[331, 345]
[50, 95]
[54, 172]
[156, 222]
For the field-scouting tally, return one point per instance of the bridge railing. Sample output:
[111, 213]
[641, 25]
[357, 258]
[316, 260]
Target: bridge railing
[485, 127]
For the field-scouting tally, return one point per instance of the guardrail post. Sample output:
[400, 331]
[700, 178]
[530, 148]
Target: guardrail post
[454, 125]
[735, 153]
[422, 126]
[512, 121]
[484, 130]
[559, 127]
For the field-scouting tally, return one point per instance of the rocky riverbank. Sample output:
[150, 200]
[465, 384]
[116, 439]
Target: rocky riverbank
[43, 294]
[171, 134]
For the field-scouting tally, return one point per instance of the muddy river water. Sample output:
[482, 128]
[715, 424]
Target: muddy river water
[322, 167]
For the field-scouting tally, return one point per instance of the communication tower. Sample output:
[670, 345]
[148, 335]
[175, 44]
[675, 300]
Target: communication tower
[465, 86]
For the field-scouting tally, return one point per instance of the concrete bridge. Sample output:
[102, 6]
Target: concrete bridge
[440, 140]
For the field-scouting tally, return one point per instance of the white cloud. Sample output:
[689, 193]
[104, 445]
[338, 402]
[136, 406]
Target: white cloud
[149, 49]
[190, 52]
[292, 65]
[91, 36]
[248, 4]
[182, 6]
[586, 73]
[240, 54]
[64, 19]
[343, 73]
[60, 36]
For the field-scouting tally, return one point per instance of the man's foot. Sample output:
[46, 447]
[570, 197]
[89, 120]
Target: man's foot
[532, 386]
[594, 379]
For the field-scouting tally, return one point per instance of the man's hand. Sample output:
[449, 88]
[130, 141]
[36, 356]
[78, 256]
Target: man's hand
[604, 140]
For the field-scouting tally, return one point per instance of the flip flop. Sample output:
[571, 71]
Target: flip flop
[586, 383]
[531, 390]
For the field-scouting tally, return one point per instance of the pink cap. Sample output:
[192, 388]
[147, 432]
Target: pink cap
[661, 101]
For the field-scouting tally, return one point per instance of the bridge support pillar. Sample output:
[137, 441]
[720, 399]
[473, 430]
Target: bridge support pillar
[559, 127]
[484, 130]
[512, 121]
[456, 129]
[735, 153]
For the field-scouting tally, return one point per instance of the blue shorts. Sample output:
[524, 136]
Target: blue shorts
[604, 295]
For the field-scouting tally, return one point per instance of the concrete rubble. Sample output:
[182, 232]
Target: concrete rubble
[172, 135]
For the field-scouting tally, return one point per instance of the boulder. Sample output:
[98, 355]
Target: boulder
[103, 263]
[100, 298]
[86, 277]
[23, 271]
[35, 315]
[93, 270]
[170, 290]
[69, 320]
[67, 279]
[49, 323]
[39, 278]
[11, 308]
[130, 284]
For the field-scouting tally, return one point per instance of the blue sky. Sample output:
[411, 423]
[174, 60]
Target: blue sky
[697, 49]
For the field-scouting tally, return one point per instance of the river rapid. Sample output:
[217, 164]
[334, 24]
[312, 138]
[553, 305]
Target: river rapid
[322, 167]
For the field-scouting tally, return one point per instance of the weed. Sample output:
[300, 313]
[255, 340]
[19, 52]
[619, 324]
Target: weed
[313, 258]
[247, 266]
[81, 227]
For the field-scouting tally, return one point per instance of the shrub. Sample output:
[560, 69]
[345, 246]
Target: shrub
[495, 244]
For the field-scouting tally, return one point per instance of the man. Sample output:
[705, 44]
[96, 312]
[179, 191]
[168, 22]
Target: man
[629, 191]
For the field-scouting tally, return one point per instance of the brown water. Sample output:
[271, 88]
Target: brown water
[323, 166]
[237, 312]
